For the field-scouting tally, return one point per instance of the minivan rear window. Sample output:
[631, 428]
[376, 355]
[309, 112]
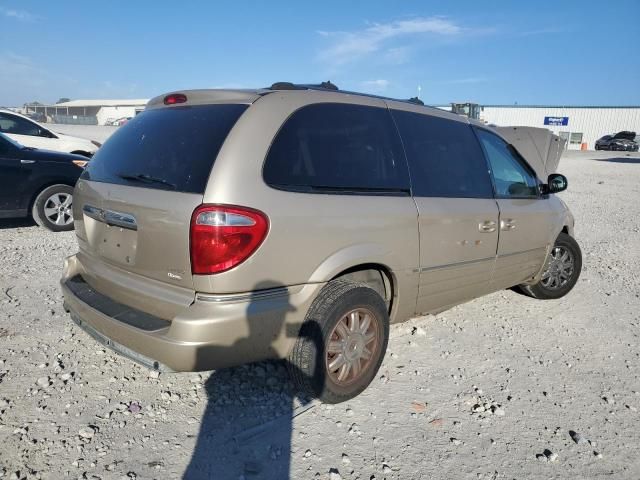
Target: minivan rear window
[166, 148]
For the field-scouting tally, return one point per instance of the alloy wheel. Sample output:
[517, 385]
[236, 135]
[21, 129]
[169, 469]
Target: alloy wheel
[559, 269]
[352, 346]
[57, 209]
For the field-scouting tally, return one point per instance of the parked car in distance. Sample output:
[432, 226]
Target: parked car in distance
[622, 141]
[117, 122]
[36, 116]
[38, 183]
[305, 221]
[29, 133]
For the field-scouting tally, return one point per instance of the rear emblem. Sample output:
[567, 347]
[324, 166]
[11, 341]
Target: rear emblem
[174, 276]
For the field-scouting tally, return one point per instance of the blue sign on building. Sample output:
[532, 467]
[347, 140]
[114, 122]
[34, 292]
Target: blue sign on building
[558, 121]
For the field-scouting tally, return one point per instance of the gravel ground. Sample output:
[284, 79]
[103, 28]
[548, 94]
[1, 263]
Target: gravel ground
[500, 387]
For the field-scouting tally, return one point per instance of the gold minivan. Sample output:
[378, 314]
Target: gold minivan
[221, 227]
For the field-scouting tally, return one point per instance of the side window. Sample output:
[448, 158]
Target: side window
[17, 125]
[5, 146]
[333, 146]
[445, 159]
[510, 176]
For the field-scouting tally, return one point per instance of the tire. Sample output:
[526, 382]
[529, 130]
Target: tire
[339, 302]
[555, 285]
[52, 208]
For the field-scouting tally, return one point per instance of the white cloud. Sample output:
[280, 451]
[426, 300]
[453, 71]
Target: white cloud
[347, 47]
[397, 55]
[20, 15]
[375, 86]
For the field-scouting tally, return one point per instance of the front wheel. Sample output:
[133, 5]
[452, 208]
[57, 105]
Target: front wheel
[561, 271]
[341, 343]
[52, 208]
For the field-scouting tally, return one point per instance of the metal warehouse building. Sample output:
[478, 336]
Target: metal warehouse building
[88, 112]
[578, 125]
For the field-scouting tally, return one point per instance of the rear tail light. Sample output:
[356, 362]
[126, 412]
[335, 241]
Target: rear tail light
[223, 237]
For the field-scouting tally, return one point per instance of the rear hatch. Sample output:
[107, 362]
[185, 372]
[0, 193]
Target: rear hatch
[133, 204]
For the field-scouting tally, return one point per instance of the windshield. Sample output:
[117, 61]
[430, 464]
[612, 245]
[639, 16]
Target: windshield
[165, 148]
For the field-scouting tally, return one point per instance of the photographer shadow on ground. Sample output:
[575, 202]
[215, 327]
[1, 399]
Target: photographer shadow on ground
[246, 429]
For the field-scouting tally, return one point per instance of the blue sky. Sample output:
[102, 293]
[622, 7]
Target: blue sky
[492, 52]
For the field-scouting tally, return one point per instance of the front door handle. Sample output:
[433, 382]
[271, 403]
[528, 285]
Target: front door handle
[27, 161]
[507, 224]
[487, 226]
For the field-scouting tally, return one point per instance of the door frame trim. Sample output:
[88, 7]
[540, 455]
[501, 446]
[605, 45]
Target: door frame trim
[457, 264]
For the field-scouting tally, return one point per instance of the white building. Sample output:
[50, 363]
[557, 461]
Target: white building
[578, 125]
[88, 112]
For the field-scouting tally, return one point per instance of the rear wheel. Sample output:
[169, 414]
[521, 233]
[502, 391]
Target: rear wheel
[561, 271]
[342, 342]
[52, 208]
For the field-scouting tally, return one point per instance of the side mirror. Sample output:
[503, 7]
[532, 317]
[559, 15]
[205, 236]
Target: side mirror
[556, 183]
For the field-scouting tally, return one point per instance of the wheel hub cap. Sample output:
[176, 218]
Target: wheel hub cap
[559, 269]
[352, 346]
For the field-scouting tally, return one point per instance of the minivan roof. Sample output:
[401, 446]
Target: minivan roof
[248, 96]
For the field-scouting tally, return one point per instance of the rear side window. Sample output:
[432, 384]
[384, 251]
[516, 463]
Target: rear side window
[511, 177]
[445, 159]
[17, 125]
[329, 147]
[167, 148]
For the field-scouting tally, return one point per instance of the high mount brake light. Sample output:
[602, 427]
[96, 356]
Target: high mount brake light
[224, 236]
[174, 98]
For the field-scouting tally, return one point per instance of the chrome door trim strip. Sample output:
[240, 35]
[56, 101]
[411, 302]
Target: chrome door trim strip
[457, 264]
[523, 251]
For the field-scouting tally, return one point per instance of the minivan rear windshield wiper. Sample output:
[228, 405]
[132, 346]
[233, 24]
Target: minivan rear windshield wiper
[144, 178]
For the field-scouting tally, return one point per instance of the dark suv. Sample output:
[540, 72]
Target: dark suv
[38, 183]
[623, 141]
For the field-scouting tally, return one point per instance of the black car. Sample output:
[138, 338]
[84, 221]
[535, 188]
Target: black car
[623, 141]
[38, 183]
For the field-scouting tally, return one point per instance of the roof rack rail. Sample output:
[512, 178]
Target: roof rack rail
[296, 86]
[330, 86]
[285, 86]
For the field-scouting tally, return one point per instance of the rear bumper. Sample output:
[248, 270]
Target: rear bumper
[215, 331]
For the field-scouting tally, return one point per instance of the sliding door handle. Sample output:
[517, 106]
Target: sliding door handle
[507, 224]
[487, 226]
